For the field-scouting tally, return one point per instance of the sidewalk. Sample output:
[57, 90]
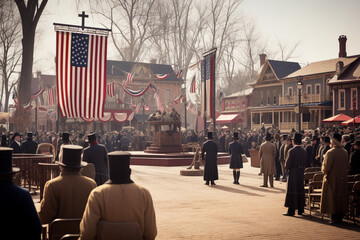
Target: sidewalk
[187, 209]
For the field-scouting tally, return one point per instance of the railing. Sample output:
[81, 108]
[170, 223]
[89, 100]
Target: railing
[286, 126]
[259, 126]
[310, 98]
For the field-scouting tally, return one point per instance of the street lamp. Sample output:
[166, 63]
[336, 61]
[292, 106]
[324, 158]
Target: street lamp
[299, 87]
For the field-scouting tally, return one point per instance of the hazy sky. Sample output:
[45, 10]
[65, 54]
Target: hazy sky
[316, 24]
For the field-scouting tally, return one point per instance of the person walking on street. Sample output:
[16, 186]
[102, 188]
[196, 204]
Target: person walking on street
[29, 146]
[295, 164]
[267, 153]
[209, 155]
[236, 150]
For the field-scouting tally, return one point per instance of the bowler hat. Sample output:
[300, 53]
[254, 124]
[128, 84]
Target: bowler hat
[71, 156]
[297, 138]
[6, 165]
[65, 137]
[119, 167]
[210, 135]
[236, 136]
[91, 137]
[336, 137]
[326, 139]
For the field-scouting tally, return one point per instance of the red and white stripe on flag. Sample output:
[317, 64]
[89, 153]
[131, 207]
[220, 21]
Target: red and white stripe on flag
[51, 96]
[208, 78]
[110, 89]
[81, 74]
[193, 85]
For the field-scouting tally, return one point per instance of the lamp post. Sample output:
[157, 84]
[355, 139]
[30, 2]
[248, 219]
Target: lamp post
[299, 87]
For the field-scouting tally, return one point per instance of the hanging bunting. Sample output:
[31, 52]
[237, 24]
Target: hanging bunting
[107, 116]
[162, 76]
[138, 93]
[38, 93]
[177, 100]
[120, 117]
[131, 116]
[146, 108]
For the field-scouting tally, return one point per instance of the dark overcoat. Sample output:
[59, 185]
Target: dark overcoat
[236, 150]
[16, 147]
[355, 162]
[295, 163]
[29, 146]
[19, 217]
[209, 154]
[308, 150]
[97, 154]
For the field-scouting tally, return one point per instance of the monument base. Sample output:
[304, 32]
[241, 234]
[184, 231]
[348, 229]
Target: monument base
[192, 172]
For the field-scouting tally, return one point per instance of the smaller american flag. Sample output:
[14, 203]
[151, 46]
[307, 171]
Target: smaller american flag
[51, 96]
[129, 79]
[193, 85]
[110, 89]
[180, 73]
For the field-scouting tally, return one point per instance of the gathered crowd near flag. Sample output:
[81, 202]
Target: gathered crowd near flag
[110, 89]
[193, 85]
[208, 85]
[81, 74]
[51, 96]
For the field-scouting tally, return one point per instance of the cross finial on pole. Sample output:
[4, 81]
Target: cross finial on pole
[83, 16]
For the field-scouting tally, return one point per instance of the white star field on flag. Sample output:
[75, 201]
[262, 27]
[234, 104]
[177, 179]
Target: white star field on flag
[79, 50]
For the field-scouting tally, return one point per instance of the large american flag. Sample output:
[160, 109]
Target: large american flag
[208, 83]
[81, 74]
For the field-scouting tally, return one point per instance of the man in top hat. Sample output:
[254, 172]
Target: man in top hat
[325, 148]
[66, 195]
[282, 153]
[29, 146]
[64, 140]
[334, 189]
[346, 141]
[119, 200]
[19, 219]
[288, 146]
[308, 149]
[295, 165]
[267, 153]
[236, 150]
[97, 154]
[355, 159]
[15, 144]
[4, 141]
[209, 155]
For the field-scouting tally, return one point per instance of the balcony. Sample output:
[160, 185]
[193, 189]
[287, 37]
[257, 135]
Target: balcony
[287, 126]
[306, 98]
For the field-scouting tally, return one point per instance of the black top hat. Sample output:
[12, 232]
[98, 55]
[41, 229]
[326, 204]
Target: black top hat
[326, 139]
[297, 138]
[119, 167]
[30, 135]
[268, 136]
[91, 138]
[6, 165]
[71, 156]
[236, 136]
[16, 134]
[337, 137]
[3, 138]
[357, 143]
[284, 136]
[210, 135]
[65, 137]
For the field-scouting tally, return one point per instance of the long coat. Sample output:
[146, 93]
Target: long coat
[355, 162]
[65, 197]
[18, 213]
[267, 153]
[211, 169]
[29, 146]
[295, 164]
[16, 147]
[308, 150]
[236, 150]
[119, 203]
[97, 154]
[334, 188]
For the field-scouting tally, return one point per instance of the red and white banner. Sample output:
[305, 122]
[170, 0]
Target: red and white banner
[128, 80]
[162, 76]
[110, 89]
[81, 74]
[208, 83]
[147, 108]
[51, 96]
[193, 85]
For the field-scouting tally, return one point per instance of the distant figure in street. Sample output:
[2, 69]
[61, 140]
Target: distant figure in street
[19, 219]
[346, 141]
[15, 144]
[209, 155]
[308, 149]
[295, 165]
[29, 146]
[355, 159]
[4, 141]
[119, 200]
[97, 154]
[267, 153]
[124, 142]
[334, 189]
[236, 150]
[66, 195]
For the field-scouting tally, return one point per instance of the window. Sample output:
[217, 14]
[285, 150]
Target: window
[341, 99]
[308, 89]
[274, 100]
[354, 98]
[317, 88]
[290, 91]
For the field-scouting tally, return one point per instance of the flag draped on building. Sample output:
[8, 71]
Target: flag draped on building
[110, 89]
[193, 85]
[51, 96]
[81, 74]
[208, 85]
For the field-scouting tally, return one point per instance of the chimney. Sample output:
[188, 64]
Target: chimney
[262, 59]
[153, 61]
[342, 46]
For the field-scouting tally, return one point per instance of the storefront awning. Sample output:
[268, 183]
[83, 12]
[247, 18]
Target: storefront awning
[227, 118]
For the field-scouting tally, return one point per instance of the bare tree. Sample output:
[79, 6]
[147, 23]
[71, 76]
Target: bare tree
[10, 53]
[286, 51]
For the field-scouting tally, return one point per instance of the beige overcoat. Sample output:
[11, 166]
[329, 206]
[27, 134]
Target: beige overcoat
[119, 203]
[267, 153]
[334, 188]
[65, 197]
